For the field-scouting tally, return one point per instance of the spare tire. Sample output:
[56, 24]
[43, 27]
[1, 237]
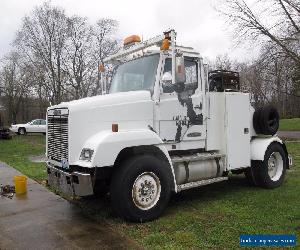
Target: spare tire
[266, 120]
[256, 120]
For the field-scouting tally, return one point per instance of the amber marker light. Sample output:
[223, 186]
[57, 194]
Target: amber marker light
[132, 39]
[114, 127]
[165, 45]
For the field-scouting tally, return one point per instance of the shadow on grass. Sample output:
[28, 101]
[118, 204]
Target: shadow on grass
[215, 191]
[98, 207]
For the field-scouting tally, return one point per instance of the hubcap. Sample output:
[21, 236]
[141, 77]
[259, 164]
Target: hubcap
[275, 166]
[146, 190]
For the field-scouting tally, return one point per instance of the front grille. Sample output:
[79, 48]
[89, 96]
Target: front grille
[57, 135]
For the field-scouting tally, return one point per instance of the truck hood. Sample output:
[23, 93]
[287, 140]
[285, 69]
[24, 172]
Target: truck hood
[89, 116]
[95, 102]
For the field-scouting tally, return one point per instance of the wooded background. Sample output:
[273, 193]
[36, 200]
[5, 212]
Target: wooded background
[55, 57]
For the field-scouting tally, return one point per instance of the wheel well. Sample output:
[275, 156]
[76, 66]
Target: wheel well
[21, 128]
[105, 173]
[126, 153]
[287, 155]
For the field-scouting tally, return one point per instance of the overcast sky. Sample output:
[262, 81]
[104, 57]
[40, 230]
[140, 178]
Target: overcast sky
[196, 22]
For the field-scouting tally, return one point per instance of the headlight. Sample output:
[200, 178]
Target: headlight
[86, 154]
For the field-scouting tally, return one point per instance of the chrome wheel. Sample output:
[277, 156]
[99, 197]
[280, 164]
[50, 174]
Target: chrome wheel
[275, 166]
[146, 190]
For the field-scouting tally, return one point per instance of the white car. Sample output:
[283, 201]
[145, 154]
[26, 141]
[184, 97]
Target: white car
[35, 126]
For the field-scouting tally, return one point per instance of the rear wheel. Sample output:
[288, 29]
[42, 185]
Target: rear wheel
[22, 131]
[141, 188]
[270, 172]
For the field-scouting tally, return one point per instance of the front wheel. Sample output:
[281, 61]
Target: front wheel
[22, 131]
[271, 172]
[141, 188]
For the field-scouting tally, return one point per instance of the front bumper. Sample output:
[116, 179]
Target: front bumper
[13, 129]
[74, 183]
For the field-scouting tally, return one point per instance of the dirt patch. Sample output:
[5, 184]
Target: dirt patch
[289, 134]
[37, 158]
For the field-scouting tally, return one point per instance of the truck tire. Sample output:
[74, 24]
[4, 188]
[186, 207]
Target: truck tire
[256, 121]
[251, 173]
[101, 188]
[141, 188]
[266, 120]
[22, 131]
[271, 171]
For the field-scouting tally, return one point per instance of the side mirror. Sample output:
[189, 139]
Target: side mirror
[167, 85]
[167, 77]
[180, 70]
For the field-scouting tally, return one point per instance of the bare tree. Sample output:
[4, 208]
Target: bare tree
[15, 83]
[223, 62]
[105, 44]
[79, 62]
[57, 59]
[274, 25]
[42, 39]
[283, 32]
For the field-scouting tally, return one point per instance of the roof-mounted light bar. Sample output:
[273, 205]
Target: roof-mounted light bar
[158, 40]
[131, 40]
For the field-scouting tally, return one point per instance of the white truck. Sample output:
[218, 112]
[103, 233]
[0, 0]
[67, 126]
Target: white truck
[165, 125]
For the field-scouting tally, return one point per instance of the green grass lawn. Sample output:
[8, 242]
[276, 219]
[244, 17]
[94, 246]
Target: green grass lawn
[289, 124]
[214, 216]
[15, 152]
[207, 217]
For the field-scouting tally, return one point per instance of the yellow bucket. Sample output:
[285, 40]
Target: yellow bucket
[20, 184]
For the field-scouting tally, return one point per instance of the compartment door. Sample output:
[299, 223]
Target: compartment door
[237, 130]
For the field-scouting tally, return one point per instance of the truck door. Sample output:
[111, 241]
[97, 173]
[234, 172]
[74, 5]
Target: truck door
[179, 114]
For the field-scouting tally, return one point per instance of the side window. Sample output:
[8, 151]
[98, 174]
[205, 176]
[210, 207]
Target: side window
[43, 122]
[191, 72]
[36, 122]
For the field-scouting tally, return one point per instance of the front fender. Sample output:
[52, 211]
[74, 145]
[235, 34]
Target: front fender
[108, 144]
[259, 146]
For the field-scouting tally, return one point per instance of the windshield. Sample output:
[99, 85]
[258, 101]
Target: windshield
[135, 75]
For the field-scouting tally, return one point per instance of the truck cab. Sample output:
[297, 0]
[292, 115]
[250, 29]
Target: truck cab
[165, 125]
